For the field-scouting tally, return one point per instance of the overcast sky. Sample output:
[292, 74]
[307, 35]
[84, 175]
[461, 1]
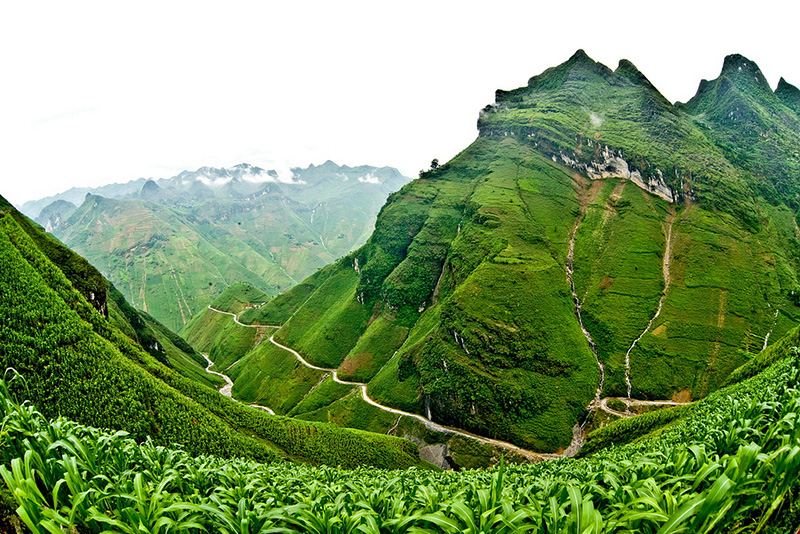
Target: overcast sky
[94, 93]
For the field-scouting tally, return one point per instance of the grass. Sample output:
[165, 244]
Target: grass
[471, 260]
[217, 335]
[240, 296]
[270, 376]
[76, 363]
[725, 465]
[376, 346]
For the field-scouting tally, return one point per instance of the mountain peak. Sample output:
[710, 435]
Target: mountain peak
[738, 68]
[629, 71]
[581, 60]
[580, 56]
[789, 95]
[737, 62]
[578, 68]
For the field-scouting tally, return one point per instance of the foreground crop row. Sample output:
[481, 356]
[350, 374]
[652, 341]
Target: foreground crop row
[729, 467]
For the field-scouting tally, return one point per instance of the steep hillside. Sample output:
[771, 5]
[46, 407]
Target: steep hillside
[172, 245]
[594, 241]
[76, 363]
[164, 264]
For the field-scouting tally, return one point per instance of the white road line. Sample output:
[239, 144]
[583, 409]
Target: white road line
[228, 387]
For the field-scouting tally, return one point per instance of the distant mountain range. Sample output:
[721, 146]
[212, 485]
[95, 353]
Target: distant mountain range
[172, 245]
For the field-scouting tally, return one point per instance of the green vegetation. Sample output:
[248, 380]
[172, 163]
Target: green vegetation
[77, 364]
[172, 249]
[238, 297]
[727, 466]
[267, 377]
[162, 261]
[216, 335]
[180, 356]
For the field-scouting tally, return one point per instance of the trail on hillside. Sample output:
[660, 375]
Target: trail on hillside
[236, 320]
[633, 402]
[530, 455]
[665, 265]
[228, 387]
[427, 422]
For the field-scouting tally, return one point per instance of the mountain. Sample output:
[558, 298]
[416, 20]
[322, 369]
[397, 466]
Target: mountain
[594, 241]
[76, 195]
[172, 245]
[55, 214]
[82, 352]
[518, 277]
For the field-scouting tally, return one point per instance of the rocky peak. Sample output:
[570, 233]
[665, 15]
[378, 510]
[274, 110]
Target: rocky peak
[789, 95]
[743, 73]
[628, 70]
[150, 189]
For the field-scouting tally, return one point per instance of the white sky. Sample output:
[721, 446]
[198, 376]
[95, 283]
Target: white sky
[100, 92]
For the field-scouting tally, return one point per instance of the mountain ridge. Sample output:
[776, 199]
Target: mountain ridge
[175, 244]
[459, 305]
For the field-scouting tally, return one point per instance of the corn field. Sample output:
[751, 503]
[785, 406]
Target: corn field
[732, 467]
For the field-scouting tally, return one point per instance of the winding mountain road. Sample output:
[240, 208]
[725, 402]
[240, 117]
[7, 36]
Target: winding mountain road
[228, 387]
[573, 448]
[629, 403]
[530, 455]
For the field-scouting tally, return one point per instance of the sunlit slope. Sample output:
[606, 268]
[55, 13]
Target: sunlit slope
[445, 310]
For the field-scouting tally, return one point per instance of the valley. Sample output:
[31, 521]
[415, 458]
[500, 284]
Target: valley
[586, 321]
[172, 245]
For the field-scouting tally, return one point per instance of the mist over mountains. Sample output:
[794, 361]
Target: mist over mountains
[172, 245]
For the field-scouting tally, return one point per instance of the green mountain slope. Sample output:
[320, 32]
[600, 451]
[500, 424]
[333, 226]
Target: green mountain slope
[76, 363]
[174, 244]
[587, 202]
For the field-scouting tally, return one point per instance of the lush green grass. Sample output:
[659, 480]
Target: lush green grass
[76, 364]
[270, 376]
[727, 466]
[376, 346]
[330, 321]
[465, 278]
[619, 247]
[485, 253]
[217, 335]
[351, 411]
[324, 393]
[188, 363]
[240, 296]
